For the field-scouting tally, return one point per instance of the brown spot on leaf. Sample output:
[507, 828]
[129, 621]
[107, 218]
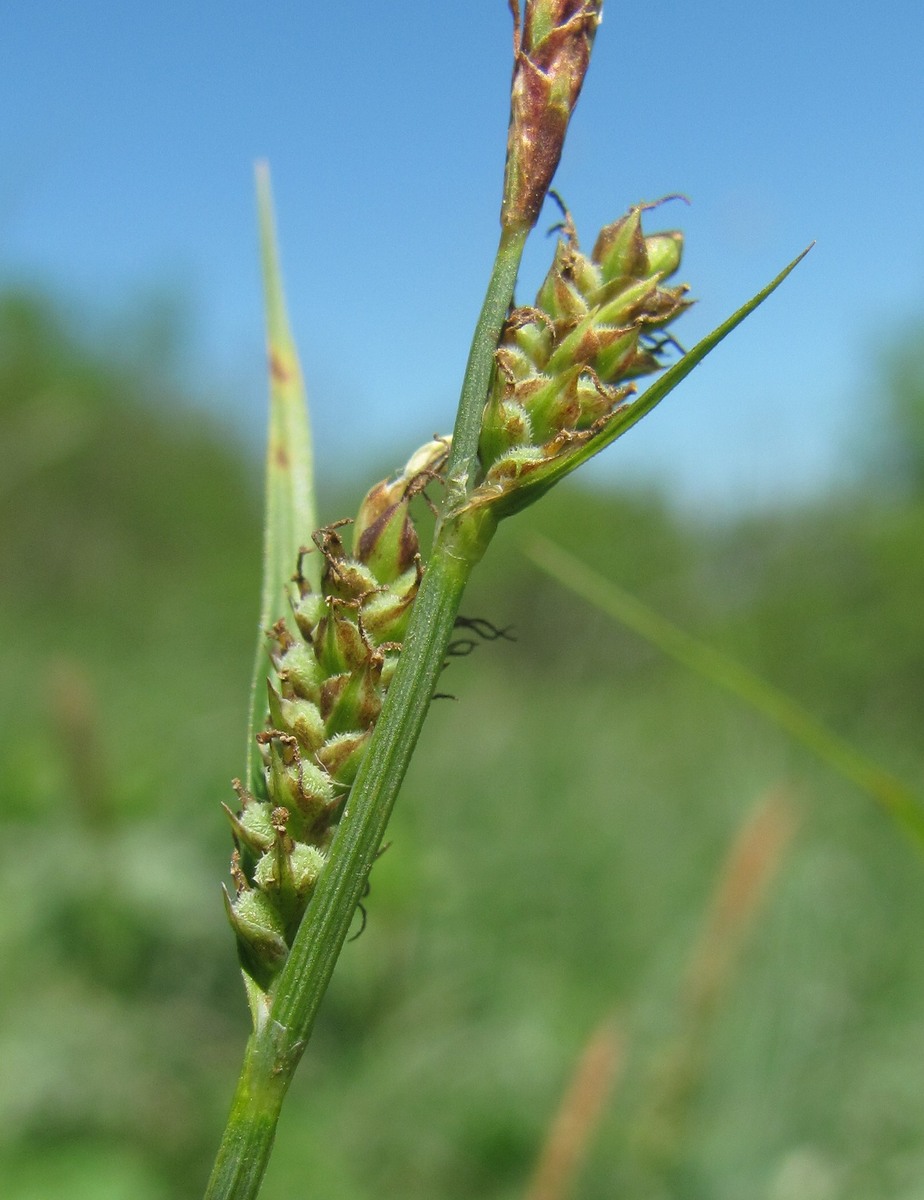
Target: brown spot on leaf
[279, 368]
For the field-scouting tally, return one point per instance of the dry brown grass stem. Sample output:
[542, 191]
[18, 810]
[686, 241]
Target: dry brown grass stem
[752, 863]
[575, 1123]
[73, 708]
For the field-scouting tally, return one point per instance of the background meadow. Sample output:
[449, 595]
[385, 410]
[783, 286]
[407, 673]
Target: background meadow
[552, 856]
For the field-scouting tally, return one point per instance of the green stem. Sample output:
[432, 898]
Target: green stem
[277, 1045]
[463, 458]
[251, 1128]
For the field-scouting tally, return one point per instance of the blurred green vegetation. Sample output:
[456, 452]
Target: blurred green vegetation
[552, 856]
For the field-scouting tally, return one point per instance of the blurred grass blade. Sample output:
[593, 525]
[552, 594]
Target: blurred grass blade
[903, 805]
[751, 864]
[290, 503]
[579, 1114]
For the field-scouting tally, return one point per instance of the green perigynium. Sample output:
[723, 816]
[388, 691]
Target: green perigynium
[333, 661]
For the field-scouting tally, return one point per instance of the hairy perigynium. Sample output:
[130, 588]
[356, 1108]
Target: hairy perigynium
[333, 662]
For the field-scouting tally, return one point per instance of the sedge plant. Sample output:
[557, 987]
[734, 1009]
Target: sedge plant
[355, 624]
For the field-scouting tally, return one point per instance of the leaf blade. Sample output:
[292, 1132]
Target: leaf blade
[290, 509]
[900, 802]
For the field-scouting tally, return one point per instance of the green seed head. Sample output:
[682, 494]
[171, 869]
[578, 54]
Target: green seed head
[333, 663]
[563, 366]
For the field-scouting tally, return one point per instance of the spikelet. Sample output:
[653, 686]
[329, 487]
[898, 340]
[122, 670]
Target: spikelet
[564, 365]
[332, 665]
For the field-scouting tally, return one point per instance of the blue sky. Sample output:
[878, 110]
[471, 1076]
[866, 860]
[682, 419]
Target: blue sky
[128, 134]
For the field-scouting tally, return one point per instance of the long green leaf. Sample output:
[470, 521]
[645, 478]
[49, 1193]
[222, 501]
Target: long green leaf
[903, 805]
[290, 502]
